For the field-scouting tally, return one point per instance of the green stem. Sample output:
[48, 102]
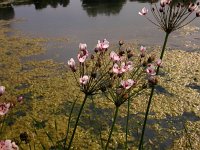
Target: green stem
[77, 120]
[113, 124]
[4, 118]
[151, 95]
[128, 113]
[69, 120]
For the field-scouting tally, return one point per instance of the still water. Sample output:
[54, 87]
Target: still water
[87, 21]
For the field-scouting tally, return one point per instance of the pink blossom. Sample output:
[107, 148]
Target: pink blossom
[164, 2]
[81, 58]
[143, 12]
[143, 49]
[128, 83]
[82, 46]
[101, 46]
[114, 56]
[19, 99]
[159, 62]
[71, 63]
[198, 13]
[4, 108]
[8, 145]
[128, 66]
[151, 70]
[192, 7]
[84, 80]
[2, 90]
[117, 69]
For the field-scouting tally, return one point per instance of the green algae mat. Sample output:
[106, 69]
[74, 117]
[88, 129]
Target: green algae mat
[49, 92]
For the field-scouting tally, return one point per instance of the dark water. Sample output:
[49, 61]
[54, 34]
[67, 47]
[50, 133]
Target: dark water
[87, 21]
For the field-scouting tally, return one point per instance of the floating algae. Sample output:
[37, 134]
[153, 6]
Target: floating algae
[49, 92]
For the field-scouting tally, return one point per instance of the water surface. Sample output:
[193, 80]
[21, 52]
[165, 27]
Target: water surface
[87, 21]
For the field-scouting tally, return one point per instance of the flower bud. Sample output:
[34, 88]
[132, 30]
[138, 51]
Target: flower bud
[152, 80]
[121, 53]
[198, 14]
[161, 9]
[151, 59]
[92, 56]
[128, 50]
[94, 75]
[96, 50]
[19, 99]
[2, 90]
[129, 55]
[121, 43]
[119, 91]
[103, 88]
[125, 96]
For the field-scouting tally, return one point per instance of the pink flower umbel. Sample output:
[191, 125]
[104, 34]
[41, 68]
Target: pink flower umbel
[128, 83]
[84, 80]
[114, 56]
[8, 145]
[143, 12]
[2, 90]
[4, 108]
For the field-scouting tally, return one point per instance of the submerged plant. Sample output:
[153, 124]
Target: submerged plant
[168, 16]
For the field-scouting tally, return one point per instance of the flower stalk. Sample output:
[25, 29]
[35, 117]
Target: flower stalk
[151, 94]
[112, 127]
[77, 120]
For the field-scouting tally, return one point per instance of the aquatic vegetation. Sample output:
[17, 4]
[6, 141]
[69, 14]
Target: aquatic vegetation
[169, 17]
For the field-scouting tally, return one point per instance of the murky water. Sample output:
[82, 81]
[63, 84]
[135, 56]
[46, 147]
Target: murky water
[88, 21]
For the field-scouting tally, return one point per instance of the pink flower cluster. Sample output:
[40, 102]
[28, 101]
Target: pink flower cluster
[83, 54]
[8, 145]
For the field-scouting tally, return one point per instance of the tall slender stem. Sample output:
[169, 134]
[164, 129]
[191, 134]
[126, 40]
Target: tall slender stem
[77, 120]
[113, 124]
[4, 118]
[128, 112]
[151, 95]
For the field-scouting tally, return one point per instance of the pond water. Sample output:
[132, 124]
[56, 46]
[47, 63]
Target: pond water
[87, 21]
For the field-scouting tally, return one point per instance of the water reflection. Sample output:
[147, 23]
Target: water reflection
[40, 4]
[7, 13]
[106, 7]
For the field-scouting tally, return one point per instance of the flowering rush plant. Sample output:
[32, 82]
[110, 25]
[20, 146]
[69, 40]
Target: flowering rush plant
[170, 15]
[119, 75]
